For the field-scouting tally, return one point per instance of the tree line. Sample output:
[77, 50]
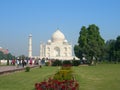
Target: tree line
[92, 48]
[112, 49]
[8, 56]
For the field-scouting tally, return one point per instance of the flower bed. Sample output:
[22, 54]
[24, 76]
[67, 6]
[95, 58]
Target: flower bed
[62, 80]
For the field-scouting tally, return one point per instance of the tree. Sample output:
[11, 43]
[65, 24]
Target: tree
[22, 57]
[110, 50]
[1, 55]
[90, 43]
[117, 49]
[81, 49]
[7, 57]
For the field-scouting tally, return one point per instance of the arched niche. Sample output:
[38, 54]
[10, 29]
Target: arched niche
[57, 51]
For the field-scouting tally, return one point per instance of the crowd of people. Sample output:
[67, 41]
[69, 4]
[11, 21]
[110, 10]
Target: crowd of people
[23, 63]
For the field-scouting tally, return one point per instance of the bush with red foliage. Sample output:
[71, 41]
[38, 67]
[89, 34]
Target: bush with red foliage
[60, 81]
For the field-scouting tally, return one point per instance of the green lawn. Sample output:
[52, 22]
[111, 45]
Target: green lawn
[100, 77]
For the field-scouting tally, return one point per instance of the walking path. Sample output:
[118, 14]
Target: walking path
[9, 69]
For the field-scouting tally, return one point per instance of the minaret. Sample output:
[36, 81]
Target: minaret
[30, 46]
[42, 50]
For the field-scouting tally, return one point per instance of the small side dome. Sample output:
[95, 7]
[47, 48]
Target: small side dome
[49, 41]
[65, 41]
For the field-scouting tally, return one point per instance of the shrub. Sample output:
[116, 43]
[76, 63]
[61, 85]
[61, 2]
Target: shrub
[76, 62]
[62, 80]
[27, 69]
[47, 63]
[65, 73]
[67, 62]
[57, 85]
[57, 63]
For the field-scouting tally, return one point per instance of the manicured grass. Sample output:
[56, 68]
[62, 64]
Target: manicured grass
[25, 80]
[100, 77]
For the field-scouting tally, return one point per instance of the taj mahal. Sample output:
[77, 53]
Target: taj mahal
[55, 48]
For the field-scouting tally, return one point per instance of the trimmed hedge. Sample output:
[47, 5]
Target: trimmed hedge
[57, 63]
[76, 62]
[60, 62]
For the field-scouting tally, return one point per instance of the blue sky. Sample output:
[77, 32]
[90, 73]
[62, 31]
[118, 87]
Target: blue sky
[19, 18]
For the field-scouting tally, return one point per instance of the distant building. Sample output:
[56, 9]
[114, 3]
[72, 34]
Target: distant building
[5, 51]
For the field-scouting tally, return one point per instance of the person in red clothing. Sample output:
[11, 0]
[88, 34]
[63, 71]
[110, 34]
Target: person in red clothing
[13, 62]
[30, 61]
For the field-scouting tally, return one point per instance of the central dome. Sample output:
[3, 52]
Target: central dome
[58, 36]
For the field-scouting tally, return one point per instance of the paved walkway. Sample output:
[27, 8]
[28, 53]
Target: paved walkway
[9, 69]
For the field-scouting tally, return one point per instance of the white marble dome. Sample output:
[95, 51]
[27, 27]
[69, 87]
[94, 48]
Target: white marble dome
[58, 36]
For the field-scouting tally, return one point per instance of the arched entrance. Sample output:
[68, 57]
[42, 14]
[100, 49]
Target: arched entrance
[56, 51]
